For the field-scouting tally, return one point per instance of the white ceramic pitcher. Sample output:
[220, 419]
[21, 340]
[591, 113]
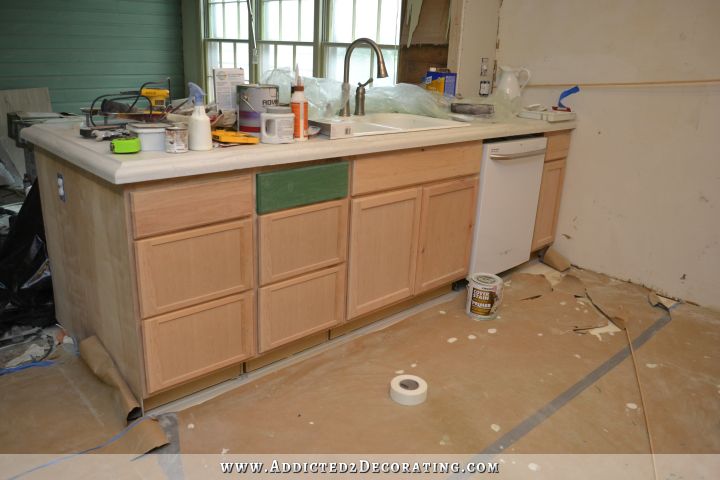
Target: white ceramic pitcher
[509, 83]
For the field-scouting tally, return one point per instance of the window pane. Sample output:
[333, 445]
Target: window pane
[231, 21]
[390, 22]
[289, 20]
[216, 20]
[359, 64]
[244, 20]
[335, 57]
[227, 55]
[307, 20]
[341, 24]
[213, 56]
[242, 58]
[304, 58]
[366, 18]
[267, 58]
[271, 20]
[285, 57]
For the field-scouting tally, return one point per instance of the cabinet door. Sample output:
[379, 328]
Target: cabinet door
[383, 249]
[548, 204]
[182, 345]
[301, 306]
[187, 268]
[446, 225]
[300, 240]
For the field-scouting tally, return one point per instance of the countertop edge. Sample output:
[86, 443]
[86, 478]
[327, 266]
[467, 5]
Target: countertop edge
[65, 142]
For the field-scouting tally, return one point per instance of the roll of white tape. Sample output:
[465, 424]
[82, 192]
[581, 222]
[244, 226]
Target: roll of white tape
[408, 390]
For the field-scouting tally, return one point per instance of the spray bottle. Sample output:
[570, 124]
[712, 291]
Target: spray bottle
[299, 106]
[199, 134]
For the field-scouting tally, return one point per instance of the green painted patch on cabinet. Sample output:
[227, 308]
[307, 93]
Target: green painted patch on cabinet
[301, 186]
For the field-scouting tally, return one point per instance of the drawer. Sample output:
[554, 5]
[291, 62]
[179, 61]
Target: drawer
[301, 306]
[388, 170]
[188, 204]
[558, 144]
[300, 240]
[189, 343]
[301, 186]
[187, 268]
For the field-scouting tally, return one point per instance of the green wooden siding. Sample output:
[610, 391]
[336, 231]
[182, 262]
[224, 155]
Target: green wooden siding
[301, 186]
[81, 49]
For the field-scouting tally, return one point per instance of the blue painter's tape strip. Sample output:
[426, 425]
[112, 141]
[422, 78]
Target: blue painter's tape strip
[566, 94]
[44, 363]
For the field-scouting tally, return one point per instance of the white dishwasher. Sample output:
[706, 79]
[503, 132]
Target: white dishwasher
[510, 176]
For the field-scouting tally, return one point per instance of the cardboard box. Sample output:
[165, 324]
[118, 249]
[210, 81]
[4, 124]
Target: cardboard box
[441, 80]
[226, 80]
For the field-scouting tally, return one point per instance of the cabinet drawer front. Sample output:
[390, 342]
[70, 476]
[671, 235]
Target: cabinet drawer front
[388, 170]
[301, 240]
[558, 144]
[187, 268]
[189, 204]
[183, 345]
[301, 306]
[301, 186]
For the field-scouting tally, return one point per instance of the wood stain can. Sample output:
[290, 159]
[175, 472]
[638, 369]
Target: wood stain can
[253, 100]
[484, 296]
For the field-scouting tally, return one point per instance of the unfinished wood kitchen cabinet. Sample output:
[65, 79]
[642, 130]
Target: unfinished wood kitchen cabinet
[194, 266]
[301, 306]
[446, 225]
[383, 249]
[186, 344]
[548, 204]
[300, 240]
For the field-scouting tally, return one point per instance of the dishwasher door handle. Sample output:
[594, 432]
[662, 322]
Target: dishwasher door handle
[511, 156]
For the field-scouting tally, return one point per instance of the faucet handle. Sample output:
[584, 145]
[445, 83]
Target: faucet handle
[363, 85]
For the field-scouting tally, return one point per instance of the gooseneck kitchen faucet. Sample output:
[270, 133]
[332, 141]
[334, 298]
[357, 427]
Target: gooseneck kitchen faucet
[360, 92]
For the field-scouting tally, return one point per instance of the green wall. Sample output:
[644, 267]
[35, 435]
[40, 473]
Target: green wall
[81, 49]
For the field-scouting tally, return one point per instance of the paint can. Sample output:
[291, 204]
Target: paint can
[176, 138]
[484, 295]
[252, 101]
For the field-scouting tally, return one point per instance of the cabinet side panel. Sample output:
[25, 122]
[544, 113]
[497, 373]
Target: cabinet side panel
[89, 249]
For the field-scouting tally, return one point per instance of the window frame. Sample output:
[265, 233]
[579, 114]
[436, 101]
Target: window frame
[320, 44]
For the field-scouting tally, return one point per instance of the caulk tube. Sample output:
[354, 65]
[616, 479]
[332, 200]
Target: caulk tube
[199, 134]
[299, 106]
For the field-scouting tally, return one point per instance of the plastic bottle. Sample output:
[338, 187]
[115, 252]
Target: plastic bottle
[299, 106]
[199, 136]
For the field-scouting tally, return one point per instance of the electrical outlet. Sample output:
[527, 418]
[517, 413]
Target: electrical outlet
[61, 186]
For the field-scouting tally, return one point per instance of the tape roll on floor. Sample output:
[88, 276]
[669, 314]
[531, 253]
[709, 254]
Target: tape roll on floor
[408, 390]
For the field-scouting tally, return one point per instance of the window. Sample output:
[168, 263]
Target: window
[311, 33]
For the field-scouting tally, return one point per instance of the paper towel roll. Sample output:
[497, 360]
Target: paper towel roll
[408, 390]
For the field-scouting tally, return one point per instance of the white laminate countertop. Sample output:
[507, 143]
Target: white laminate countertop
[64, 140]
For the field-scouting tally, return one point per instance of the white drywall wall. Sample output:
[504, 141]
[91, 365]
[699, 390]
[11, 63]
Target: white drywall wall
[642, 190]
[473, 31]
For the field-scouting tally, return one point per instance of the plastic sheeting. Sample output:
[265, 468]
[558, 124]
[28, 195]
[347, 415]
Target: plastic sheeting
[325, 97]
[26, 295]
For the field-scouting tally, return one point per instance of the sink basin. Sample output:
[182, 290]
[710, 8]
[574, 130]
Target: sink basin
[382, 123]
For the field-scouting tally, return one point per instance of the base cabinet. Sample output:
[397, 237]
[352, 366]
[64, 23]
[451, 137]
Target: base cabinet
[383, 249]
[446, 225]
[301, 306]
[182, 345]
[548, 204]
